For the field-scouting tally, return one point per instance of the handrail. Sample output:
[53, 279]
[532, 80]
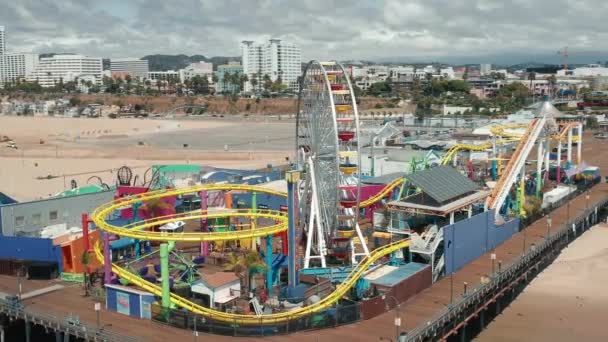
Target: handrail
[51, 321]
[419, 332]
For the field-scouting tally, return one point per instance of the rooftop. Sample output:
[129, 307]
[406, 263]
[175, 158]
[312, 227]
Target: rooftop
[218, 279]
[442, 183]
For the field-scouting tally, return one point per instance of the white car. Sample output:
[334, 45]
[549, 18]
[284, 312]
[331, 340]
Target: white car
[601, 135]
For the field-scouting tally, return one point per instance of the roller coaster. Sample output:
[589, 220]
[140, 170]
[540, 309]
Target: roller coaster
[138, 231]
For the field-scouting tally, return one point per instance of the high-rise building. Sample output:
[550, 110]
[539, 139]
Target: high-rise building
[485, 69]
[2, 51]
[275, 58]
[66, 68]
[134, 67]
[202, 69]
[14, 66]
[18, 66]
[2, 40]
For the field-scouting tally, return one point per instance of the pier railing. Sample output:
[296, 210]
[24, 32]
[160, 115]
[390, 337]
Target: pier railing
[330, 318]
[531, 258]
[67, 325]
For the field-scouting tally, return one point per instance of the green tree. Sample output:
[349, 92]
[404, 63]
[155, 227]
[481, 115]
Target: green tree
[85, 260]
[267, 82]
[379, 88]
[75, 101]
[254, 82]
[592, 123]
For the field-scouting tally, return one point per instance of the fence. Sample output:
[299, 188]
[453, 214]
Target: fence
[532, 256]
[15, 309]
[329, 318]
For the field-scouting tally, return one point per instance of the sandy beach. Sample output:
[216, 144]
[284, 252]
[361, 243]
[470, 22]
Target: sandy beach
[568, 301]
[79, 148]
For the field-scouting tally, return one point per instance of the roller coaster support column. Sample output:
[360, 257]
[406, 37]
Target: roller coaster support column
[164, 274]
[579, 144]
[521, 198]
[204, 223]
[547, 159]
[569, 151]
[539, 167]
[292, 177]
[254, 208]
[135, 208]
[269, 277]
[559, 162]
[107, 259]
[494, 161]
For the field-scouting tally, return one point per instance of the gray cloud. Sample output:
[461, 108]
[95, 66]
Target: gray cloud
[341, 29]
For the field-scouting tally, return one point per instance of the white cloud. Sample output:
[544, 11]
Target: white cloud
[340, 29]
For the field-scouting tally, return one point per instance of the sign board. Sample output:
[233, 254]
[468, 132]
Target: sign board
[398, 321]
[97, 306]
[122, 303]
[146, 310]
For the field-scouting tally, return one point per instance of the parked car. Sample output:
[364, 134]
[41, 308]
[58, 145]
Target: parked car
[602, 135]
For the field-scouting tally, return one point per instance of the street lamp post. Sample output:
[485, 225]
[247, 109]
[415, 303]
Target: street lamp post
[397, 316]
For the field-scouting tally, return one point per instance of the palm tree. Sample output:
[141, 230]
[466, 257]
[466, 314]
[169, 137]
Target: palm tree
[236, 264]
[226, 80]
[254, 81]
[242, 265]
[242, 80]
[267, 82]
[85, 260]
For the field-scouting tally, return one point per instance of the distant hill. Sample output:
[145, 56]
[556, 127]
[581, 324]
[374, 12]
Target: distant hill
[176, 62]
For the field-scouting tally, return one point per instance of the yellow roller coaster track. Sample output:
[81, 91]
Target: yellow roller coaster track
[500, 130]
[381, 194]
[136, 231]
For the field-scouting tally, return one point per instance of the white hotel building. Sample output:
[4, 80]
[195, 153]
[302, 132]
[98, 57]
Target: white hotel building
[14, 66]
[135, 67]
[273, 58]
[66, 68]
[18, 66]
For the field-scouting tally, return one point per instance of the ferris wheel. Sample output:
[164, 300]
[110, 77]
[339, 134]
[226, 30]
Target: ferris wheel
[328, 148]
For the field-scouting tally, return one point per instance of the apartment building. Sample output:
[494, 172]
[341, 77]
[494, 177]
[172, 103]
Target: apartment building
[66, 68]
[275, 58]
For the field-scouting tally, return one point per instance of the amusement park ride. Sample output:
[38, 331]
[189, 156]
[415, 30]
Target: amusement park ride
[324, 199]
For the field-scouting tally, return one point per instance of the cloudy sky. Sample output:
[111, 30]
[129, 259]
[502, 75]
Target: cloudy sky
[342, 29]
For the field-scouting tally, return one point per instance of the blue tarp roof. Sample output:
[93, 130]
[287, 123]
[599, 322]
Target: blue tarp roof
[403, 272]
[4, 199]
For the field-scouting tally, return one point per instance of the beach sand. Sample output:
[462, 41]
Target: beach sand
[568, 301]
[79, 148]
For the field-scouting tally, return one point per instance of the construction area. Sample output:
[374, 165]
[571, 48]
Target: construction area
[370, 232]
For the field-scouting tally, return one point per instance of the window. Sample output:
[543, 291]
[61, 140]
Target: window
[36, 219]
[53, 215]
[19, 221]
